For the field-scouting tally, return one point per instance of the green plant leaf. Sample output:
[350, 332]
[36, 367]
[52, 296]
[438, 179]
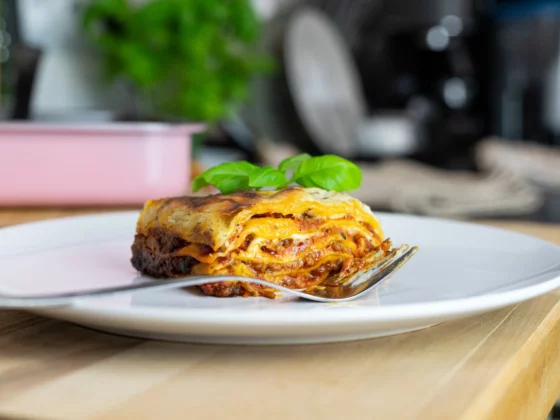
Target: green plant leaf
[167, 49]
[245, 21]
[267, 176]
[227, 177]
[329, 172]
[292, 163]
[199, 182]
[141, 68]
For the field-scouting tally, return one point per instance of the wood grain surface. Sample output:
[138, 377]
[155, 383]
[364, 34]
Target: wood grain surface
[502, 365]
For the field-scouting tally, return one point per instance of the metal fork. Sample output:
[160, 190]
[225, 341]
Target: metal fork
[343, 290]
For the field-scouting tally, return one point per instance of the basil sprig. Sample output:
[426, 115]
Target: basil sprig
[328, 172]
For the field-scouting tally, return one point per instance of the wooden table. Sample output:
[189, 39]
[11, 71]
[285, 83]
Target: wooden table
[502, 365]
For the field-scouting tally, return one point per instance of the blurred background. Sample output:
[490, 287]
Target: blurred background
[451, 107]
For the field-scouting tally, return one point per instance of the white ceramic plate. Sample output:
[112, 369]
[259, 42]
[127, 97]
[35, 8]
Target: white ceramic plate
[460, 270]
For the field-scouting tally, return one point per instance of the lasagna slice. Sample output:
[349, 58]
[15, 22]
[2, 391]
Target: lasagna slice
[295, 237]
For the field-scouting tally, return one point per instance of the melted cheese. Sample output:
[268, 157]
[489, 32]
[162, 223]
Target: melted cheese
[216, 221]
[271, 231]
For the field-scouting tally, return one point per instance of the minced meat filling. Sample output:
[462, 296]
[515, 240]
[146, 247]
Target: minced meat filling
[155, 255]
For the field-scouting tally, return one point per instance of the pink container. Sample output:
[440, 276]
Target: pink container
[101, 164]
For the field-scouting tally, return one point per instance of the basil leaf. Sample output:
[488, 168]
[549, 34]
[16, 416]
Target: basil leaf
[267, 176]
[292, 163]
[227, 177]
[198, 183]
[328, 172]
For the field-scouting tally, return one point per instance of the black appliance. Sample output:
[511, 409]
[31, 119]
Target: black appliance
[428, 59]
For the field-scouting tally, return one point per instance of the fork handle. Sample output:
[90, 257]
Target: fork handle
[374, 275]
[63, 299]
